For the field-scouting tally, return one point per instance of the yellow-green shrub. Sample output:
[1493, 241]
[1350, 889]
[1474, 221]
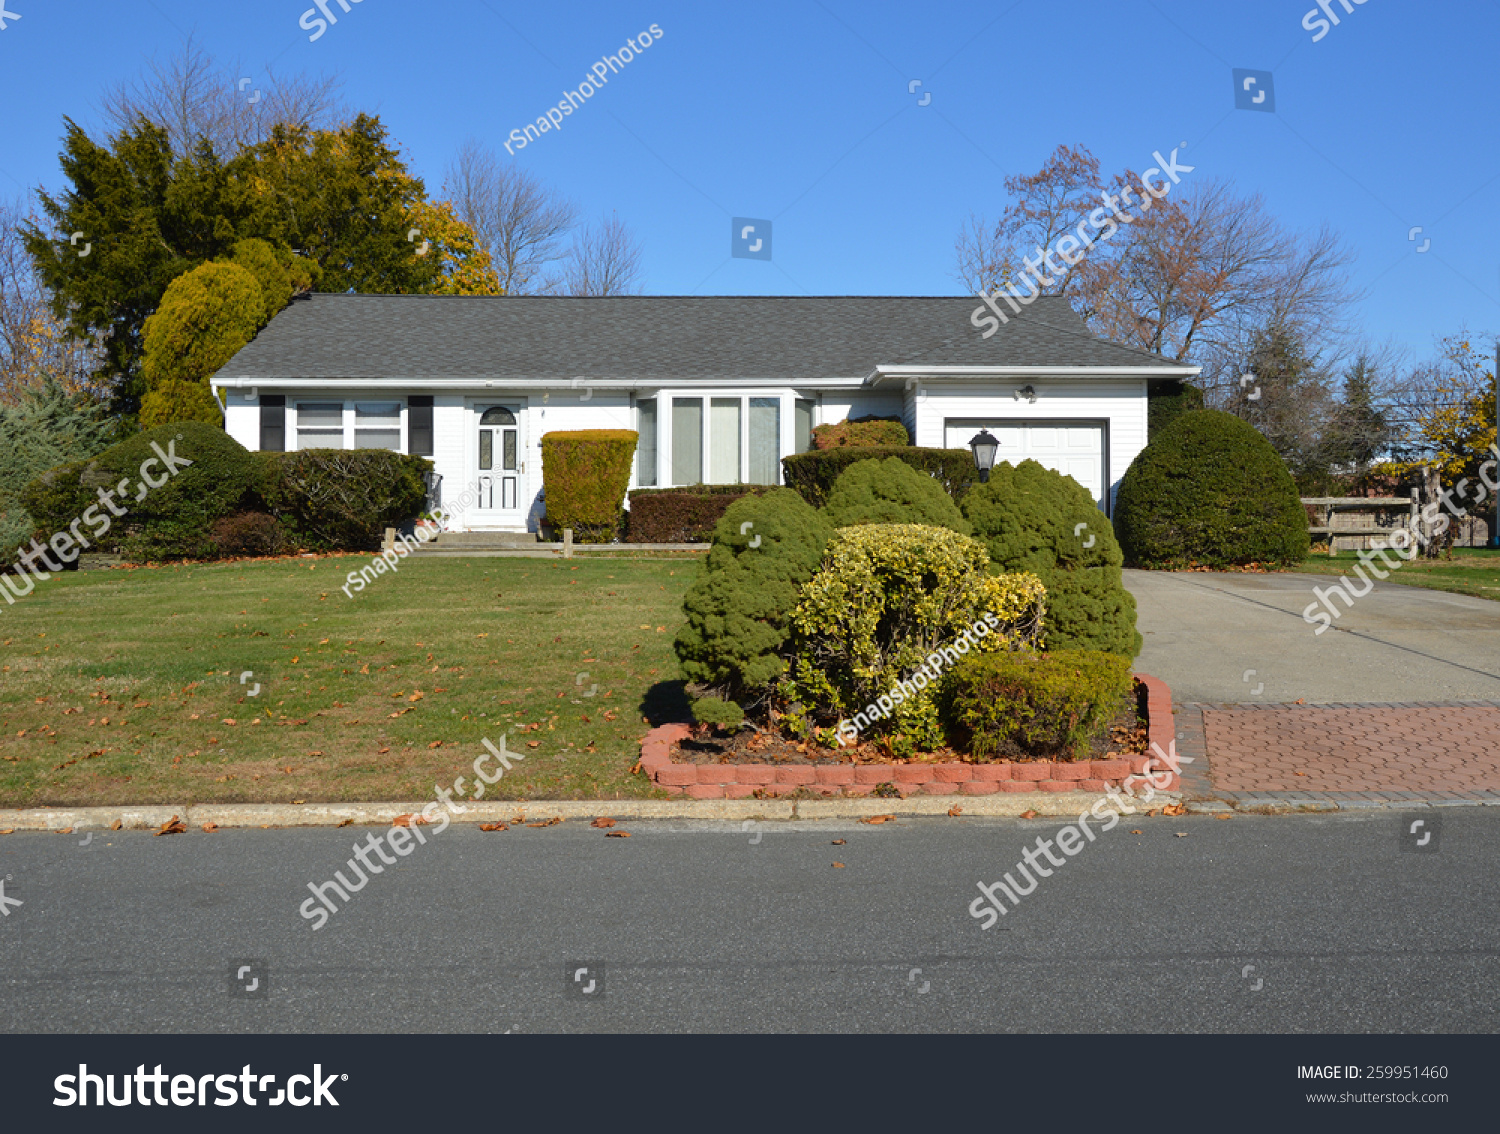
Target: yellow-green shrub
[1027, 704]
[887, 598]
[586, 472]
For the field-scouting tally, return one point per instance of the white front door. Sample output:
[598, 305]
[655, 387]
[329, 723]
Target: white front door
[1073, 448]
[498, 449]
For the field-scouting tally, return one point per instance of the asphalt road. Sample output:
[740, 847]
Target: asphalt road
[701, 929]
[1204, 632]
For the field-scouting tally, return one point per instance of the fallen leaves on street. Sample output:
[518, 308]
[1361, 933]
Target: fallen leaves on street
[878, 819]
[173, 826]
[494, 826]
[602, 821]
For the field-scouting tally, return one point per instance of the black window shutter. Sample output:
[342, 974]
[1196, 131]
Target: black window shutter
[273, 423]
[419, 424]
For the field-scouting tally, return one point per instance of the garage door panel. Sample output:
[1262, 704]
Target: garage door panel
[1075, 450]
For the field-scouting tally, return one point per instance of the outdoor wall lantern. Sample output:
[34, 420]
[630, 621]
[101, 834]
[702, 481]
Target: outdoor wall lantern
[985, 447]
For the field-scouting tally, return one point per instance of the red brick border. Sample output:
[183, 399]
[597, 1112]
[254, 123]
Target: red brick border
[739, 781]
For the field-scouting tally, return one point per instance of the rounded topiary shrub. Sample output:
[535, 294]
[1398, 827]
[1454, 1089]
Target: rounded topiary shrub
[175, 519]
[740, 607]
[1028, 704]
[874, 622]
[1209, 490]
[1034, 519]
[891, 492]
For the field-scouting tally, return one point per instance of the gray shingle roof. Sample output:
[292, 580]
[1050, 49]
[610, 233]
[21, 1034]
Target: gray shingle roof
[657, 338]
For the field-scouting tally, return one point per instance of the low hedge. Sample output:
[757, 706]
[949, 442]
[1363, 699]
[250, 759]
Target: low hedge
[1028, 704]
[860, 431]
[586, 472]
[683, 515]
[891, 492]
[341, 499]
[813, 474]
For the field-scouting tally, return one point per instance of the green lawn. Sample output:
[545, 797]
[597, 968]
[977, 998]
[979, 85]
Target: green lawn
[124, 686]
[1472, 571]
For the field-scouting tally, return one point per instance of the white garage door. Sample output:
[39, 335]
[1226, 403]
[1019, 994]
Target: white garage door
[1073, 448]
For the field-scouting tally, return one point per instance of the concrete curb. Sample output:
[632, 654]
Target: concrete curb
[1045, 804]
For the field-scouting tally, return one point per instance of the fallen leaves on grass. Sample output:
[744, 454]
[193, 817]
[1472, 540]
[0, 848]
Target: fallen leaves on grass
[602, 821]
[173, 826]
[494, 826]
[874, 819]
[635, 768]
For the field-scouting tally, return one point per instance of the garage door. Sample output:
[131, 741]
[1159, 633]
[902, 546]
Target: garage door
[1074, 448]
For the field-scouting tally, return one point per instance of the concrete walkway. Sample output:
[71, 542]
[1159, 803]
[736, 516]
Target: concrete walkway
[1204, 631]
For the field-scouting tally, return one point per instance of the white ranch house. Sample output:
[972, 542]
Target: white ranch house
[720, 388]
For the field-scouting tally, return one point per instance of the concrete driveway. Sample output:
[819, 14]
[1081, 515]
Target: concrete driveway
[1204, 631]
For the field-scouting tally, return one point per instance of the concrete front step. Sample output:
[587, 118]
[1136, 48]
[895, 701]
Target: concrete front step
[478, 541]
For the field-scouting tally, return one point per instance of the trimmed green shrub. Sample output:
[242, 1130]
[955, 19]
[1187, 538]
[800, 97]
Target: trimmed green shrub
[342, 499]
[249, 534]
[1027, 704]
[586, 472]
[739, 609]
[54, 500]
[1209, 490]
[174, 521]
[682, 515]
[888, 598]
[861, 431]
[814, 474]
[720, 714]
[1165, 399]
[1029, 518]
[891, 492]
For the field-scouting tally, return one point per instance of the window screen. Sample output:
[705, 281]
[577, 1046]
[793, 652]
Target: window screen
[377, 425]
[320, 425]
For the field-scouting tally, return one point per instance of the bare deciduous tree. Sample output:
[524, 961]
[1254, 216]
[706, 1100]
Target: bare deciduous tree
[32, 342]
[519, 220]
[603, 260]
[193, 97]
[1045, 205]
[1197, 276]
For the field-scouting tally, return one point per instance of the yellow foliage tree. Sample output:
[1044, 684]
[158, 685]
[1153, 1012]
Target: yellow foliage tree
[1458, 430]
[463, 263]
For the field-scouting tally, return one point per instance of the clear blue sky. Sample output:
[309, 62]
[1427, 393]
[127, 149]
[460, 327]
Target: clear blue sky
[799, 112]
